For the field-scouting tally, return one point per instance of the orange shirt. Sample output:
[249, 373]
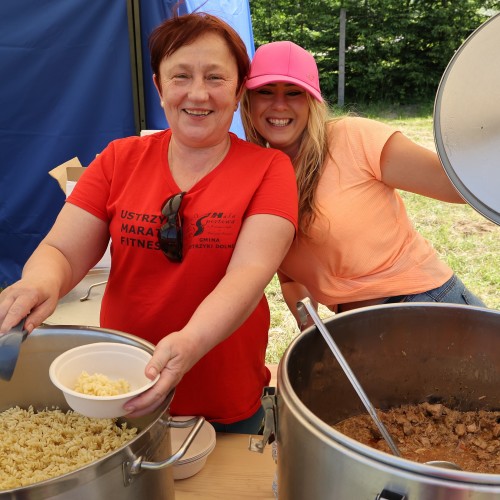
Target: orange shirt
[363, 246]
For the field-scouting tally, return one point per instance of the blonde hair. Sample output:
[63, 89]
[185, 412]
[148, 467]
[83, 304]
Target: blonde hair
[308, 162]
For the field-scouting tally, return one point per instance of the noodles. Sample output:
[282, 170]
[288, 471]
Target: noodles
[35, 446]
[100, 385]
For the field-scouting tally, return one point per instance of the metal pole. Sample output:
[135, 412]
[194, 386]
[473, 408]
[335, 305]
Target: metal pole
[134, 31]
[341, 82]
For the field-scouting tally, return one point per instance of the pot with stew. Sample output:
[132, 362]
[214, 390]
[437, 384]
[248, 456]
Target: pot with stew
[415, 361]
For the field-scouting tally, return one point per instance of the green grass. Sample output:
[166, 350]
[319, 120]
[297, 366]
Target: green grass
[464, 239]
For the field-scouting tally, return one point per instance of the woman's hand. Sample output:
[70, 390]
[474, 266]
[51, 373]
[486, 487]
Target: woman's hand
[174, 355]
[34, 301]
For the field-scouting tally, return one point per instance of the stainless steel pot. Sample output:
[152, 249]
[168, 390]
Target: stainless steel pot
[401, 353]
[129, 473]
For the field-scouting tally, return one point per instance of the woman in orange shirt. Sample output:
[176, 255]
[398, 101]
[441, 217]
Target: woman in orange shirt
[356, 245]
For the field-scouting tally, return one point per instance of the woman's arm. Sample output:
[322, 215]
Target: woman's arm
[408, 166]
[75, 243]
[261, 246]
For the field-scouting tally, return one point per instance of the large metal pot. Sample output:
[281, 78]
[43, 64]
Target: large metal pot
[129, 473]
[401, 353]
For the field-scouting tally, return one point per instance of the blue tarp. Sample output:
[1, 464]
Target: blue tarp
[66, 91]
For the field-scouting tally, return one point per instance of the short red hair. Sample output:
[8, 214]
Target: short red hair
[182, 30]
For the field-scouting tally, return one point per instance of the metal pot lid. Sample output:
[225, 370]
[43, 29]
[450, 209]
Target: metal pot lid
[467, 120]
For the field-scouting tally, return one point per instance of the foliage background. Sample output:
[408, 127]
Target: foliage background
[396, 50]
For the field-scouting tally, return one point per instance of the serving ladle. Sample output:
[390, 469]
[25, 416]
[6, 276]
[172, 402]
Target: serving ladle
[304, 307]
[10, 344]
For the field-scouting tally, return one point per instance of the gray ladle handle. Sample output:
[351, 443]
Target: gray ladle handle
[10, 343]
[306, 303]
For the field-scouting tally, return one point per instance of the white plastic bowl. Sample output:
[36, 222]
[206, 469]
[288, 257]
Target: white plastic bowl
[112, 359]
[196, 455]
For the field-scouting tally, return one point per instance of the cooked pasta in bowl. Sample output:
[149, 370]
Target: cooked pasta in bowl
[98, 379]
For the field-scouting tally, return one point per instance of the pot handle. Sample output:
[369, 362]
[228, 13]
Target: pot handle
[135, 467]
[269, 405]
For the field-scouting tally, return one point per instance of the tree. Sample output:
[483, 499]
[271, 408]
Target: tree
[396, 50]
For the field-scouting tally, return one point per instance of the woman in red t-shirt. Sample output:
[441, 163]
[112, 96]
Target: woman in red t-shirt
[199, 221]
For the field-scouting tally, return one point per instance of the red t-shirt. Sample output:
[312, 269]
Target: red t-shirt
[149, 296]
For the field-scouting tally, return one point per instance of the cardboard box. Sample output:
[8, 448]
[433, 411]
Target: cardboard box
[67, 175]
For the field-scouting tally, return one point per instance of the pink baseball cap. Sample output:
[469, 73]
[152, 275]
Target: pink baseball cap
[284, 62]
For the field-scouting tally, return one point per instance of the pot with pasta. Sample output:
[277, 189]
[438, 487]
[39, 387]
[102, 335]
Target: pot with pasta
[49, 451]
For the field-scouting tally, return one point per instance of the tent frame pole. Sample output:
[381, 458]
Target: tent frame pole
[136, 64]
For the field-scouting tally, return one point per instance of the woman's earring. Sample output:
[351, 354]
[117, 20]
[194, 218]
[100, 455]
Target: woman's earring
[161, 103]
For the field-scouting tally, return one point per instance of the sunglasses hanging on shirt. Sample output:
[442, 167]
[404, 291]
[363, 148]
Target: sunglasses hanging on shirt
[170, 234]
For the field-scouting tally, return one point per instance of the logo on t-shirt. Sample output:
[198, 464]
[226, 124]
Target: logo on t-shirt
[214, 230]
[209, 230]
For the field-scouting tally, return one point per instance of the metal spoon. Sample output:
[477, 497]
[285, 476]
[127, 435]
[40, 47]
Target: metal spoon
[306, 304]
[10, 344]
